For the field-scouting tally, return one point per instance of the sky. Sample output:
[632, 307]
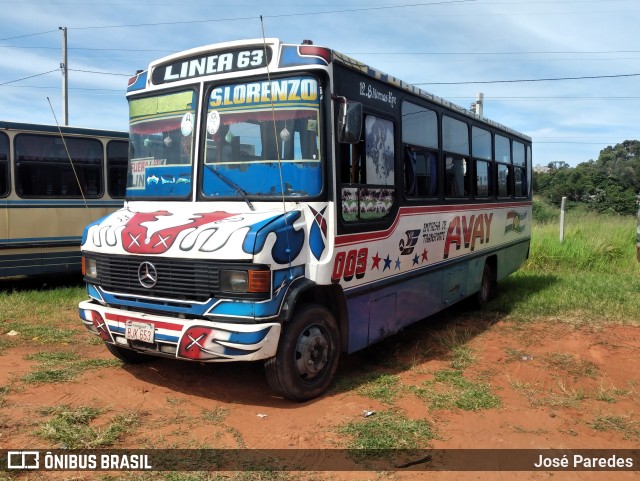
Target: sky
[564, 72]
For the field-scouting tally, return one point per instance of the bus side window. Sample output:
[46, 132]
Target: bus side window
[504, 180]
[4, 165]
[43, 168]
[369, 167]
[484, 179]
[420, 172]
[456, 176]
[117, 158]
[519, 170]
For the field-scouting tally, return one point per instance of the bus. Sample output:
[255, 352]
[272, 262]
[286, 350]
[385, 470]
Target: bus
[53, 182]
[289, 204]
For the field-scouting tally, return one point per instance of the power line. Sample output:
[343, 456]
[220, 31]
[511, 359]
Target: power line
[531, 52]
[27, 35]
[42, 47]
[363, 9]
[101, 73]
[527, 80]
[31, 76]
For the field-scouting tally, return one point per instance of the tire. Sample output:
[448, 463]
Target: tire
[307, 356]
[127, 356]
[487, 286]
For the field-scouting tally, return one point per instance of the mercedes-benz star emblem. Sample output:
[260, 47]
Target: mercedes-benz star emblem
[147, 275]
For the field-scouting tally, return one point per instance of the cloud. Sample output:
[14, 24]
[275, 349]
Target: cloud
[493, 41]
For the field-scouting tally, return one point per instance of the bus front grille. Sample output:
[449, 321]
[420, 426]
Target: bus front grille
[178, 279]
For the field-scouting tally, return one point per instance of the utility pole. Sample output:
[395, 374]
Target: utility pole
[64, 66]
[479, 103]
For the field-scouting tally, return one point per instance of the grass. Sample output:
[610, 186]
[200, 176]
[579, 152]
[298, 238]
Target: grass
[383, 387]
[626, 425]
[70, 428]
[62, 366]
[389, 429]
[451, 390]
[590, 278]
[38, 316]
[571, 364]
[216, 415]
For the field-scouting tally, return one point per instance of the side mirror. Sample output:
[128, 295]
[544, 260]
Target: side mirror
[349, 122]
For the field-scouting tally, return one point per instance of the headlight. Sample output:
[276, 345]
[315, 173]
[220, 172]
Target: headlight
[89, 267]
[234, 281]
[242, 282]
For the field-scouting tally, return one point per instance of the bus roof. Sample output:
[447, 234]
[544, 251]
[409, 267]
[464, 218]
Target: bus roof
[308, 55]
[26, 127]
[354, 64]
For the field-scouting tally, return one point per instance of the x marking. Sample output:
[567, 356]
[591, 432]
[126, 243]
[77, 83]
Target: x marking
[134, 240]
[195, 342]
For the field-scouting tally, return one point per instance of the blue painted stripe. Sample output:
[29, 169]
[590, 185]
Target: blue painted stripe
[36, 264]
[248, 337]
[60, 203]
[75, 240]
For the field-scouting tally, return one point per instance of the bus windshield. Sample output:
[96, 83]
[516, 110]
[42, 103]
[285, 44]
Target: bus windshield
[161, 134]
[262, 140]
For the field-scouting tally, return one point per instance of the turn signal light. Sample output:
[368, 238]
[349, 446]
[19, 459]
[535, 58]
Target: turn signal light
[259, 281]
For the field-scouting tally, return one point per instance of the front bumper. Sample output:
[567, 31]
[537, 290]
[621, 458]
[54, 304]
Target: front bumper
[190, 339]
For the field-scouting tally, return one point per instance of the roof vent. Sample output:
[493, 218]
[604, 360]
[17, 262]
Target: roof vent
[307, 42]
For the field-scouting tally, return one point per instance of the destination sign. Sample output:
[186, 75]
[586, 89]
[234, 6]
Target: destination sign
[210, 64]
[281, 91]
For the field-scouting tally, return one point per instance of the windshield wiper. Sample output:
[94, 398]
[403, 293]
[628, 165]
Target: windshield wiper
[232, 184]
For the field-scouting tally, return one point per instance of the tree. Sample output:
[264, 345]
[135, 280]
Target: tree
[608, 184]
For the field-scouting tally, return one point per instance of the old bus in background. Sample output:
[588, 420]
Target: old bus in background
[50, 191]
[288, 203]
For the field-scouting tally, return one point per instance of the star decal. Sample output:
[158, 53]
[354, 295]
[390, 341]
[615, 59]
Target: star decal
[376, 262]
[387, 263]
[416, 260]
[398, 263]
[424, 256]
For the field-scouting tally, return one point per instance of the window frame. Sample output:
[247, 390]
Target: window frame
[78, 168]
[387, 200]
[455, 155]
[110, 168]
[6, 170]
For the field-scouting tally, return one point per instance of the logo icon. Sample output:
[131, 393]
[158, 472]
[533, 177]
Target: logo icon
[23, 460]
[406, 247]
[147, 275]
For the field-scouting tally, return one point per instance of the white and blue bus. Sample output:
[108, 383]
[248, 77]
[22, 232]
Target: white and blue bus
[53, 182]
[288, 203]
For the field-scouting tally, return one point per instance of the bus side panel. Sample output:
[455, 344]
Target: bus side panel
[379, 313]
[474, 275]
[511, 258]
[23, 263]
[61, 260]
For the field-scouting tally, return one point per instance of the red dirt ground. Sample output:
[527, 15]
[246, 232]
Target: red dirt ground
[554, 382]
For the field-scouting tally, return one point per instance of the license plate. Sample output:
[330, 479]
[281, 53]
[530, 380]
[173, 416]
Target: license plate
[139, 331]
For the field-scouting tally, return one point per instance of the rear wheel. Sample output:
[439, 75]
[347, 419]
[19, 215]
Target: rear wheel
[307, 356]
[127, 355]
[487, 286]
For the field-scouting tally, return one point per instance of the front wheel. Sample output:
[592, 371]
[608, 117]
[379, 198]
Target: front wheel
[307, 356]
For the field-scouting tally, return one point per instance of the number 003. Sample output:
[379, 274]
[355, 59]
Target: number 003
[349, 264]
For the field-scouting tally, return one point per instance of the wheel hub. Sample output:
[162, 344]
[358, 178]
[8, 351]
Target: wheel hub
[312, 351]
